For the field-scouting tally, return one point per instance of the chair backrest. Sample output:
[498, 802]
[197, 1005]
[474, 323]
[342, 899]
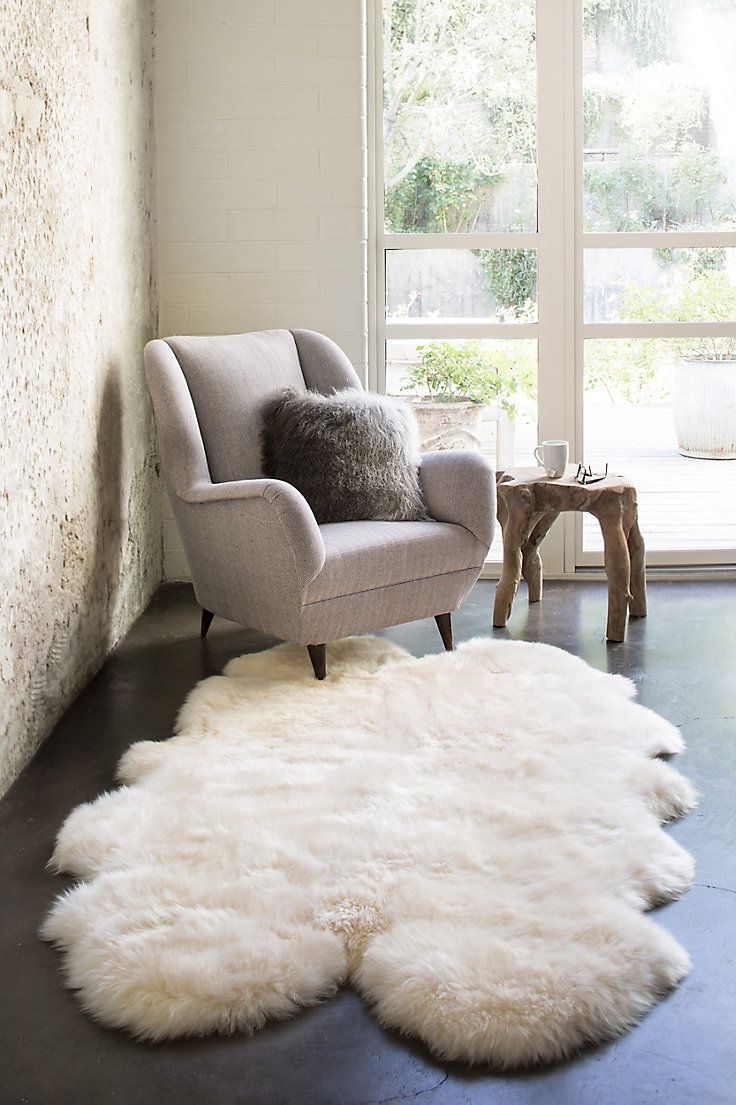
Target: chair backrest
[230, 378]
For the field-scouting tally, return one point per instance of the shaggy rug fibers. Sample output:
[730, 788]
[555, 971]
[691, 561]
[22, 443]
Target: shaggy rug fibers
[469, 839]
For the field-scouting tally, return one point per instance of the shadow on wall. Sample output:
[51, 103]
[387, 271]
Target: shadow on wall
[92, 558]
[98, 576]
[104, 580]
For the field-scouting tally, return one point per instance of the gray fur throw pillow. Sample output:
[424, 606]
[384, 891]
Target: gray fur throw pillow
[353, 455]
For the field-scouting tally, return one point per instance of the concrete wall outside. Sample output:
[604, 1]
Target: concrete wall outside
[80, 527]
[261, 166]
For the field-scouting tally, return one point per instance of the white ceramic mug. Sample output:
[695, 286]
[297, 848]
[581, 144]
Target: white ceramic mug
[552, 455]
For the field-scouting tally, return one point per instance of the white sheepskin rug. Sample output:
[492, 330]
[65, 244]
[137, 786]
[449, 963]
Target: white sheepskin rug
[470, 840]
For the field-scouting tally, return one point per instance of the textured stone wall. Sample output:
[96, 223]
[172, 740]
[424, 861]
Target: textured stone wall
[80, 538]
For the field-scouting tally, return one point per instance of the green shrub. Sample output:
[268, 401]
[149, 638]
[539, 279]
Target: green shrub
[511, 277]
[438, 197]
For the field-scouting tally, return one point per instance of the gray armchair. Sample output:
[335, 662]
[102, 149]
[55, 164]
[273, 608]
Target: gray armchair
[255, 551]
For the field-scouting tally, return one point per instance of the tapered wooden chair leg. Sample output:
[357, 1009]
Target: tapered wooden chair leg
[444, 624]
[318, 656]
[207, 617]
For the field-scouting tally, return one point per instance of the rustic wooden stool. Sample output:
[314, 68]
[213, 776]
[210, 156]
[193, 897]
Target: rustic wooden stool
[528, 502]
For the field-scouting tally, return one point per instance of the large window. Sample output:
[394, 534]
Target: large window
[555, 228]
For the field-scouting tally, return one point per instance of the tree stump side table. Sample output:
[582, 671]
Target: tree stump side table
[528, 502]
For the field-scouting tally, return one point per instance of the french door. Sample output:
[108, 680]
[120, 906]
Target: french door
[553, 217]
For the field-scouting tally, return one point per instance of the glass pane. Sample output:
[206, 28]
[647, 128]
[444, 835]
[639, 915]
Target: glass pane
[499, 376]
[663, 413]
[460, 115]
[496, 284]
[659, 114]
[660, 285]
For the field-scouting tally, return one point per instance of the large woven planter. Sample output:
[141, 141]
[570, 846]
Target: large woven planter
[704, 409]
[448, 425]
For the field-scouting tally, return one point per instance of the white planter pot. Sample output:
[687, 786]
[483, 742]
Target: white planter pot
[448, 425]
[704, 409]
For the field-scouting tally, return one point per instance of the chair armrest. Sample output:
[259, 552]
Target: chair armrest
[239, 506]
[459, 486]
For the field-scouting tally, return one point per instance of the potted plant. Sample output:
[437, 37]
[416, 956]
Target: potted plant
[704, 375]
[454, 382]
[704, 369]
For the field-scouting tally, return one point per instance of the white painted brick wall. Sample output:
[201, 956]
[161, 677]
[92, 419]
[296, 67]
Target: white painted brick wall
[261, 173]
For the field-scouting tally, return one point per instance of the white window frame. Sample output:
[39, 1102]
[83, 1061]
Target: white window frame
[559, 241]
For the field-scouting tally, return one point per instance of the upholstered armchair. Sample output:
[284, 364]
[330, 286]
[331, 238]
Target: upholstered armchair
[255, 551]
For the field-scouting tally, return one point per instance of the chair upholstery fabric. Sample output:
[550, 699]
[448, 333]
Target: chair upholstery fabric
[325, 366]
[368, 610]
[229, 378]
[363, 556]
[255, 551]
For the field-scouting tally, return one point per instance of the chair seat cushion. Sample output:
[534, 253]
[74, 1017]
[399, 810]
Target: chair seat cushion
[363, 556]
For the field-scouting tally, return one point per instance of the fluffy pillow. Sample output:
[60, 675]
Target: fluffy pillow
[354, 456]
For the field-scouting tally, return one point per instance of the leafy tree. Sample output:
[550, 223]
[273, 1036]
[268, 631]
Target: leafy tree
[645, 24]
[459, 92]
[654, 116]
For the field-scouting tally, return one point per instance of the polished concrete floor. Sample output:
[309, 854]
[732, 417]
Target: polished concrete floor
[684, 1052]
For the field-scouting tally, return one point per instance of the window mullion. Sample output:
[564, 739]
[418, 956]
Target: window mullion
[502, 240]
[556, 250]
[659, 239]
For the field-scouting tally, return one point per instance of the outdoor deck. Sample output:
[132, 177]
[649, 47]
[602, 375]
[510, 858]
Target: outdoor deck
[684, 504]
